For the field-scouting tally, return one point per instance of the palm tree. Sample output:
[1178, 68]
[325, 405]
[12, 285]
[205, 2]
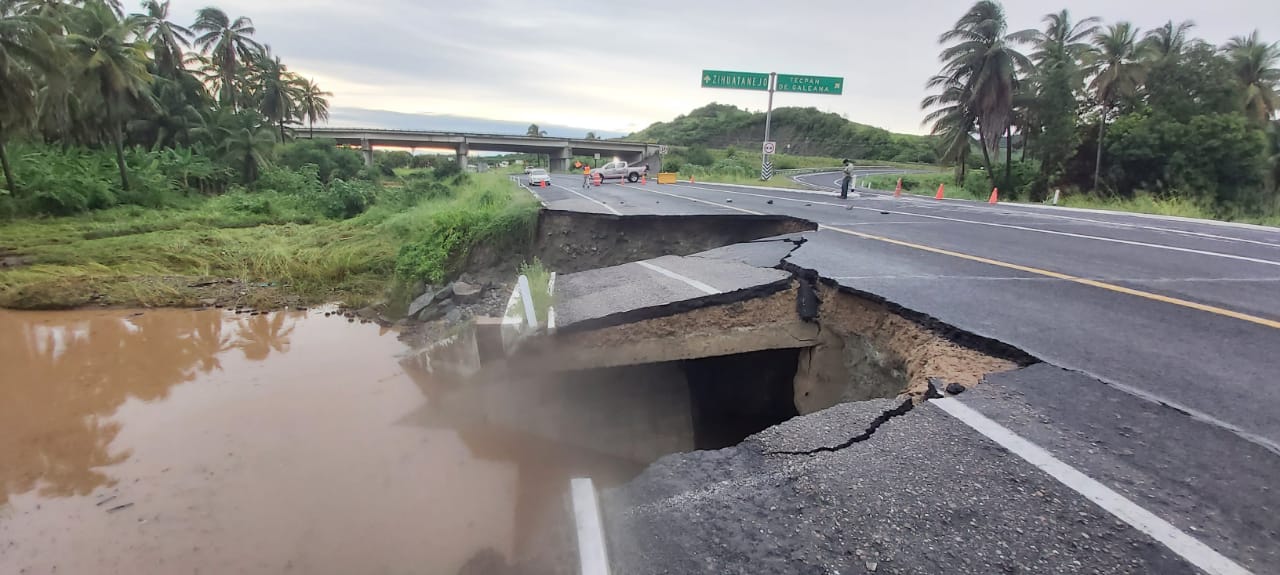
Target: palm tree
[953, 122]
[115, 65]
[313, 103]
[25, 51]
[591, 136]
[1167, 42]
[1118, 71]
[244, 140]
[1257, 66]
[166, 38]
[276, 88]
[173, 118]
[535, 132]
[228, 44]
[983, 59]
[1058, 80]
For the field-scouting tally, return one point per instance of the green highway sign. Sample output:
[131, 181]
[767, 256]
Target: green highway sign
[735, 80]
[807, 84]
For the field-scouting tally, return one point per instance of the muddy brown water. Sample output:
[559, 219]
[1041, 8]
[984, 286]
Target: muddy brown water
[178, 441]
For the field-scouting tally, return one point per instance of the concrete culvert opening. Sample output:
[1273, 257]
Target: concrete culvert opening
[710, 377]
[619, 396]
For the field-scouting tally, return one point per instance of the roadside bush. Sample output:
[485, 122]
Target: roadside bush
[699, 155]
[303, 181]
[422, 161]
[393, 159]
[63, 181]
[445, 170]
[342, 199]
[331, 161]
[448, 237]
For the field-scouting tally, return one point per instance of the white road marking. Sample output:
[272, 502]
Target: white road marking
[593, 558]
[1043, 279]
[978, 206]
[1012, 227]
[589, 198]
[695, 284]
[1186, 546]
[744, 210]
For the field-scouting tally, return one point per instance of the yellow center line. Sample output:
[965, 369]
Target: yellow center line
[1028, 269]
[1066, 277]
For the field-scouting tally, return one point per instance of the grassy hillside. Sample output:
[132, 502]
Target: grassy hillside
[798, 131]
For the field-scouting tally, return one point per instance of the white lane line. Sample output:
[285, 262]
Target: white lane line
[1043, 279]
[1017, 208]
[593, 558]
[704, 288]
[1012, 227]
[1186, 546]
[589, 198]
[743, 210]
[976, 205]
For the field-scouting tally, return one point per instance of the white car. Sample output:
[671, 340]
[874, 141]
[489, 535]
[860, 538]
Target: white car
[537, 176]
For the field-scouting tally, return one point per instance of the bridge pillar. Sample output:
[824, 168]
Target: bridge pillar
[462, 155]
[560, 161]
[367, 150]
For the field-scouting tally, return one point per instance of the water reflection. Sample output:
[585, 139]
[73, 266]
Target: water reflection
[66, 374]
[259, 335]
[262, 444]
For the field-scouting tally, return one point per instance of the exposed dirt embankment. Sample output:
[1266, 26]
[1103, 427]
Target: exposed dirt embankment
[882, 351]
[570, 242]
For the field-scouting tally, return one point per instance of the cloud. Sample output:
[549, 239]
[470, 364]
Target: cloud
[621, 67]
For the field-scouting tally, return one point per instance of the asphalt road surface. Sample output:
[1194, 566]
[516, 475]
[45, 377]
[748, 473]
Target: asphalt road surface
[1161, 335]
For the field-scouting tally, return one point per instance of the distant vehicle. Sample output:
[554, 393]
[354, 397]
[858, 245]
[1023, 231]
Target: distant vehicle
[620, 170]
[537, 176]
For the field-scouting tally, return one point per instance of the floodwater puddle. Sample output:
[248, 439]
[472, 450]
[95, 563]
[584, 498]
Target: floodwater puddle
[178, 441]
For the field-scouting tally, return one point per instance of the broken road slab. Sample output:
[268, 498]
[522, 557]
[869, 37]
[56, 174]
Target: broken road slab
[766, 253]
[656, 287]
[922, 494]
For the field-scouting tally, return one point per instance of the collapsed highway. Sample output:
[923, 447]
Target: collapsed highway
[923, 387]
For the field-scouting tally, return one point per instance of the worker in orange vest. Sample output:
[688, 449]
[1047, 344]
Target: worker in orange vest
[586, 176]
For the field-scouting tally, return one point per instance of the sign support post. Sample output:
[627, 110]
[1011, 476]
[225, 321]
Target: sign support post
[771, 82]
[766, 167]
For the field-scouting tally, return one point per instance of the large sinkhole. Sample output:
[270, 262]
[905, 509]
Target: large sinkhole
[604, 403]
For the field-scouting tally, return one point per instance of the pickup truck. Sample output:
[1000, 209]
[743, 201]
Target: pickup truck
[620, 171]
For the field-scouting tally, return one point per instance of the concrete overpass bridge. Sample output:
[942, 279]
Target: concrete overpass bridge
[560, 150]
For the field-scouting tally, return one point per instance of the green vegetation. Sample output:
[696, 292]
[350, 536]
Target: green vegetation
[975, 188]
[140, 172]
[798, 131]
[281, 240]
[1155, 121]
[539, 287]
[736, 166]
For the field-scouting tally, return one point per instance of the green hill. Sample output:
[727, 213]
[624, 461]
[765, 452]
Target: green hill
[798, 131]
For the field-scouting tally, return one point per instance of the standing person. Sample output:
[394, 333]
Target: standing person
[586, 176]
[848, 179]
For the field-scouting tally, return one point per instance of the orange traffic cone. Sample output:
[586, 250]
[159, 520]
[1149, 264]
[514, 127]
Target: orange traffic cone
[544, 183]
[595, 179]
[940, 193]
[690, 179]
[897, 192]
[643, 180]
[995, 196]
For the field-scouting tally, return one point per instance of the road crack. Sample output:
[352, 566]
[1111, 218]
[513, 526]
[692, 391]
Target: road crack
[902, 409]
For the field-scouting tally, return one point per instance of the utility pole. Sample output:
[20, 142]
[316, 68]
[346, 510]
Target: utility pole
[765, 170]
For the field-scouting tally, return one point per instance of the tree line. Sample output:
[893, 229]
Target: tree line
[1109, 108]
[798, 131]
[87, 74]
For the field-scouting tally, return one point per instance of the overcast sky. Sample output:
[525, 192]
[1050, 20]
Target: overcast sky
[578, 63]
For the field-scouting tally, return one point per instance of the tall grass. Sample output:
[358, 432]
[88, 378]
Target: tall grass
[136, 256]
